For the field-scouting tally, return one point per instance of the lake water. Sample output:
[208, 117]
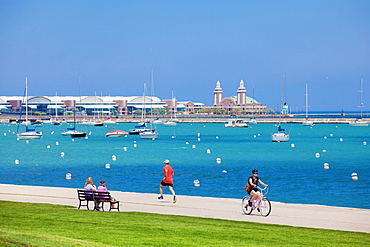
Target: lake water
[294, 174]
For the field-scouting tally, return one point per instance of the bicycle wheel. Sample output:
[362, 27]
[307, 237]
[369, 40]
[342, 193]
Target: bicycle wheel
[246, 209]
[264, 207]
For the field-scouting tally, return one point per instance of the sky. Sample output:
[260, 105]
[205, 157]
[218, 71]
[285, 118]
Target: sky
[189, 45]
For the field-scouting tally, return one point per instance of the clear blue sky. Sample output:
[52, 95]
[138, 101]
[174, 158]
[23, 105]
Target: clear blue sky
[190, 45]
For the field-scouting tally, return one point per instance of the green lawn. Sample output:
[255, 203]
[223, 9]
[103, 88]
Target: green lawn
[51, 225]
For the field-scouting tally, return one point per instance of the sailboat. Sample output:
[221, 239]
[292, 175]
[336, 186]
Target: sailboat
[360, 122]
[151, 134]
[56, 121]
[171, 122]
[72, 131]
[141, 127]
[280, 135]
[29, 133]
[253, 121]
[307, 122]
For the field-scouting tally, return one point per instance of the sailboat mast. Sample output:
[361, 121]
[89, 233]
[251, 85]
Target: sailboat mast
[26, 100]
[306, 100]
[282, 95]
[361, 103]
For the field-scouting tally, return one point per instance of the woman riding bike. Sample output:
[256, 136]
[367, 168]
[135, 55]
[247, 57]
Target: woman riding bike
[252, 187]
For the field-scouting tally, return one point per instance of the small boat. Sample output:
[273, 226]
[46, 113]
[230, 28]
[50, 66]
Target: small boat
[253, 121]
[235, 123]
[359, 121]
[149, 134]
[157, 121]
[29, 133]
[93, 123]
[138, 129]
[116, 133]
[280, 136]
[307, 122]
[108, 121]
[170, 123]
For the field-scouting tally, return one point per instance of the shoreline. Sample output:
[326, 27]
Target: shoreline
[300, 215]
[294, 119]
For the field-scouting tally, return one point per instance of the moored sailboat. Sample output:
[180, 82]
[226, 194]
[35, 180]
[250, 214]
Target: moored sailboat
[29, 133]
[307, 122]
[360, 122]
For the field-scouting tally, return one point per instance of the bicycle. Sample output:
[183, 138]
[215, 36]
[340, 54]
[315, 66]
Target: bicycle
[262, 204]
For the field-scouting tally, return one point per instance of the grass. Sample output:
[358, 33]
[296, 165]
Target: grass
[28, 224]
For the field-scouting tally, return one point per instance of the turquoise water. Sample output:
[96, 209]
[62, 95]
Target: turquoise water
[294, 174]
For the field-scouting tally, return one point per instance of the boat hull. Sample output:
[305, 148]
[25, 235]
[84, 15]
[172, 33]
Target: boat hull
[29, 135]
[150, 134]
[359, 123]
[170, 123]
[280, 137]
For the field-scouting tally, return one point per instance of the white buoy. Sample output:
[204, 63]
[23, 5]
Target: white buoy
[4, 134]
[62, 154]
[48, 146]
[254, 136]
[90, 133]
[187, 143]
[68, 176]
[16, 162]
[259, 134]
[193, 146]
[208, 151]
[354, 176]
[216, 137]
[196, 183]
[326, 165]
[340, 139]
[331, 135]
[218, 160]
[73, 140]
[107, 165]
[114, 158]
[135, 145]
[324, 150]
[325, 137]
[134, 141]
[292, 145]
[198, 139]
[317, 155]
[198, 134]
[124, 148]
[27, 141]
[224, 171]
[86, 137]
[173, 137]
[57, 143]
[52, 133]
[365, 143]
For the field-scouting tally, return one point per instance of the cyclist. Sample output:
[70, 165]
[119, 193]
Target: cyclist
[253, 182]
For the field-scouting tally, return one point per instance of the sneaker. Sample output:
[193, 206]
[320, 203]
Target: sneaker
[174, 199]
[160, 197]
[249, 203]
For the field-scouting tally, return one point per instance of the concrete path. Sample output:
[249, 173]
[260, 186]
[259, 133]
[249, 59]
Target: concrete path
[336, 218]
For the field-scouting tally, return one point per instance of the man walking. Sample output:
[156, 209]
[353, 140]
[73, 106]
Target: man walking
[167, 180]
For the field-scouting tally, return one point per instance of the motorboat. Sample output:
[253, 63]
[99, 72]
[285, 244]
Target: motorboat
[235, 123]
[253, 121]
[116, 133]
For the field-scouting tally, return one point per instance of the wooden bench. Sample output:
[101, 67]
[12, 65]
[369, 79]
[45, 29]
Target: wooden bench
[99, 198]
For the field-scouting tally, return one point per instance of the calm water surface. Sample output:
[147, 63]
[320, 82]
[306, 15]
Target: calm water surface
[294, 174]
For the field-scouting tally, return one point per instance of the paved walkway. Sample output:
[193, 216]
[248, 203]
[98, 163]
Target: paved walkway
[337, 218]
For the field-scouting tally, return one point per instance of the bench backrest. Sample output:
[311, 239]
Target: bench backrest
[87, 195]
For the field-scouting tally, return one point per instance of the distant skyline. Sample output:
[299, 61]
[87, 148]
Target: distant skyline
[190, 45]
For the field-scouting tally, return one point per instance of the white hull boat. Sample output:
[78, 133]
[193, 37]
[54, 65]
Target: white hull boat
[280, 137]
[149, 134]
[235, 123]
